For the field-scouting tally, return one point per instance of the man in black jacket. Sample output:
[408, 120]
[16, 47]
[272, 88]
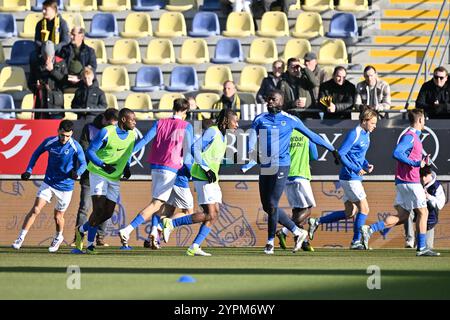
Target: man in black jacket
[337, 96]
[89, 96]
[270, 83]
[434, 95]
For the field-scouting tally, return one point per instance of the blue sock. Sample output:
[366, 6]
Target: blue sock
[202, 234]
[272, 225]
[377, 226]
[182, 220]
[91, 233]
[285, 221]
[421, 241]
[156, 220]
[332, 217]
[137, 221]
[360, 220]
[85, 227]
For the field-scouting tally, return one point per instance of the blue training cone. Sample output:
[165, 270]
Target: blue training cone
[126, 248]
[76, 251]
[186, 278]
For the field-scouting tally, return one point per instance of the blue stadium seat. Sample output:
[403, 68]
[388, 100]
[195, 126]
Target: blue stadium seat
[8, 27]
[148, 79]
[147, 5]
[183, 78]
[205, 24]
[228, 51]
[38, 6]
[20, 52]
[103, 25]
[210, 5]
[6, 102]
[343, 25]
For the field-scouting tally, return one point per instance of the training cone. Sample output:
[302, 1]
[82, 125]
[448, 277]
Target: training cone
[76, 251]
[187, 279]
[126, 248]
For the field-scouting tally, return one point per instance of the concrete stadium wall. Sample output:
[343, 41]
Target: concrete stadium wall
[242, 221]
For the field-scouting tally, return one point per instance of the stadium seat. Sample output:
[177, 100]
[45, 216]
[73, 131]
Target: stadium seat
[29, 25]
[81, 5]
[99, 47]
[103, 25]
[228, 51]
[73, 19]
[296, 48]
[136, 101]
[148, 79]
[181, 5]
[68, 97]
[333, 52]
[137, 25]
[194, 51]
[7, 102]
[115, 79]
[171, 24]
[295, 6]
[126, 51]
[27, 104]
[20, 52]
[166, 103]
[308, 25]
[205, 101]
[239, 24]
[353, 5]
[251, 78]
[2, 54]
[215, 76]
[343, 25]
[38, 6]
[15, 5]
[111, 101]
[205, 24]
[183, 78]
[160, 51]
[148, 5]
[318, 5]
[262, 51]
[274, 24]
[115, 5]
[12, 79]
[210, 5]
[8, 27]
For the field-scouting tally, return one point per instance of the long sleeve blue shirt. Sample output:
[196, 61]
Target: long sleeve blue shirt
[353, 153]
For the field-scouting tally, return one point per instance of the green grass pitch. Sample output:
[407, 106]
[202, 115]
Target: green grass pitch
[231, 273]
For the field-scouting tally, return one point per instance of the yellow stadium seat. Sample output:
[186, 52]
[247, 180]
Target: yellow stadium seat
[15, 5]
[115, 79]
[262, 51]
[318, 5]
[111, 101]
[68, 97]
[115, 5]
[126, 51]
[353, 5]
[27, 104]
[171, 24]
[181, 5]
[160, 51]
[29, 24]
[296, 48]
[215, 76]
[140, 101]
[2, 54]
[137, 25]
[194, 51]
[12, 79]
[166, 103]
[82, 5]
[239, 24]
[308, 25]
[74, 19]
[251, 78]
[99, 47]
[274, 24]
[205, 101]
[333, 52]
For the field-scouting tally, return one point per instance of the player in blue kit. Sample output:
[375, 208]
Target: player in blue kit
[63, 155]
[274, 129]
[354, 166]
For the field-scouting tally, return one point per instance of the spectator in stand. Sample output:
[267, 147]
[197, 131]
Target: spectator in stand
[434, 95]
[373, 92]
[230, 99]
[262, 6]
[78, 56]
[337, 96]
[271, 81]
[311, 63]
[89, 96]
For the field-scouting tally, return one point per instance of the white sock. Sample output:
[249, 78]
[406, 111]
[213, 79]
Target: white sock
[59, 235]
[296, 231]
[194, 246]
[128, 229]
[23, 233]
[81, 229]
[270, 242]
[154, 230]
[285, 231]
[90, 244]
